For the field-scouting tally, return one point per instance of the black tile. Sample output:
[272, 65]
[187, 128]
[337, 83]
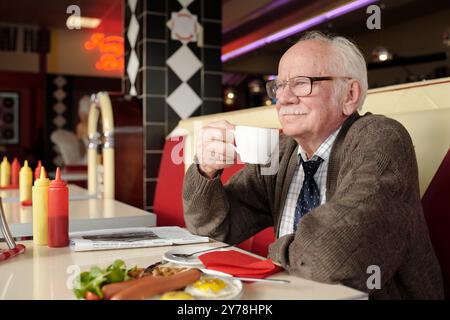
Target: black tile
[156, 54]
[212, 9]
[156, 82]
[212, 33]
[211, 59]
[139, 8]
[139, 82]
[139, 51]
[210, 107]
[126, 85]
[174, 6]
[155, 137]
[127, 46]
[173, 81]
[195, 8]
[212, 86]
[150, 194]
[127, 15]
[152, 164]
[173, 46]
[155, 109]
[140, 19]
[195, 49]
[173, 119]
[156, 26]
[155, 5]
[195, 82]
[197, 112]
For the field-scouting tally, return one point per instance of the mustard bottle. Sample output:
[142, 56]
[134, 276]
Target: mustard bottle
[5, 173]
[40, 209]
[25, 182]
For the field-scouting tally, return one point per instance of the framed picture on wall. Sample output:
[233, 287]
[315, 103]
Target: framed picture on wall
[9, 117]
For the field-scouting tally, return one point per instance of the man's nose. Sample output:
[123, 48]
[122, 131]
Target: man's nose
[287, 97]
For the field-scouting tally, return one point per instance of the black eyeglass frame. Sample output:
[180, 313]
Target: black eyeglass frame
[311, 81]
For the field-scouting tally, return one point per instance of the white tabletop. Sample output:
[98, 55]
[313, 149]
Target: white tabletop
[75, 193]
[47, 273]
[84, 214]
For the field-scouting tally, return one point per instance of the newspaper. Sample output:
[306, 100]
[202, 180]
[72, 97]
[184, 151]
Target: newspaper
[123, 238]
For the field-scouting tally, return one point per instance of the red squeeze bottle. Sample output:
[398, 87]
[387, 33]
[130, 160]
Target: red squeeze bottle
[15, 168]
[37, 171]
[58, 213]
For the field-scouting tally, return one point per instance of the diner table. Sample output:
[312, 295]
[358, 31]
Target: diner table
[86, 212]
[48, 273]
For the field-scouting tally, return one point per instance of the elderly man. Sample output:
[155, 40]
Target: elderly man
[345, 199]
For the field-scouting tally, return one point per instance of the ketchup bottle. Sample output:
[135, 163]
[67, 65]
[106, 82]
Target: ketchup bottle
[58, 213]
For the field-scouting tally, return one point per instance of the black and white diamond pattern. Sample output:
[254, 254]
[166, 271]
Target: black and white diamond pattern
[185, 64]
[59, 108]
[132, 36]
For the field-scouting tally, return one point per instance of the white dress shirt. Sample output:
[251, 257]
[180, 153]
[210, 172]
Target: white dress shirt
[324, 150]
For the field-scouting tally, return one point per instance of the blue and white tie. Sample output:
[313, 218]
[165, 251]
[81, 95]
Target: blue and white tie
[309, 196]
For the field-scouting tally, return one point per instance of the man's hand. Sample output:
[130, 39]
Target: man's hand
[214, 147]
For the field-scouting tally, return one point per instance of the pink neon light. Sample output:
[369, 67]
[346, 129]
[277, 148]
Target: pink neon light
[298, 28]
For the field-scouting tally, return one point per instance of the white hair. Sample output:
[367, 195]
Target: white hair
[346, 60]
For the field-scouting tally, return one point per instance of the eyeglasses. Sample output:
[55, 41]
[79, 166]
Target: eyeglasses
[300, 86]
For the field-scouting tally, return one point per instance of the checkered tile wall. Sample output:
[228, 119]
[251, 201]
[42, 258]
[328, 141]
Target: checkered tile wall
[172, 58]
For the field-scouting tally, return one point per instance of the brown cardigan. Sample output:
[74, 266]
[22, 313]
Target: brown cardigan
[372, 216]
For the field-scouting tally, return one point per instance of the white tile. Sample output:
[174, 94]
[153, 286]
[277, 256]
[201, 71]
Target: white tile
[133, 31]
[59, 121]
[59, 94]
[185, 3]
[132, 67]
[59, 81]
[133, 91]
[132, 4]
[184, 63]
[184, 101]
[59, 107]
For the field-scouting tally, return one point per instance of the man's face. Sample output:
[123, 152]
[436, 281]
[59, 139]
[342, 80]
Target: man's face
[318, 114]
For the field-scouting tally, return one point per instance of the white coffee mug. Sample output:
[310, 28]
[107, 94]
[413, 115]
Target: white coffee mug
[255, 145]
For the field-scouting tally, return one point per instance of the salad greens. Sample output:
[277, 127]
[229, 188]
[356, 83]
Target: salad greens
[96, 278]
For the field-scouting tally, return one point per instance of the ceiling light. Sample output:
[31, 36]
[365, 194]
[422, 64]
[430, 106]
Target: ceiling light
[74, 22]
[381, 54]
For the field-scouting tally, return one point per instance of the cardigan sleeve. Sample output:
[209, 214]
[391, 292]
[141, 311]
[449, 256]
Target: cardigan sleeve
[367, 221]
[232, 212]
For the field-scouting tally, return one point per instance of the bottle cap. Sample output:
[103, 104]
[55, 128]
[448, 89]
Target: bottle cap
[42, 181]
[58, 183]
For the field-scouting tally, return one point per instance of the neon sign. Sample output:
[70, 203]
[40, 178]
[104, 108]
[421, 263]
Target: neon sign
[111, 51]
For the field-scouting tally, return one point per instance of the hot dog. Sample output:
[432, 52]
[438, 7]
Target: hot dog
[111, 289]
[149, 286]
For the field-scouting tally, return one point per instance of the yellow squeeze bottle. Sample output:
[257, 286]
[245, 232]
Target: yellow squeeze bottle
[40, 209]
[25, 182]
[5, 173]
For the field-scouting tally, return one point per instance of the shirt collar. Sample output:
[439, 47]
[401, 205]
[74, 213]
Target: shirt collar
[324, 149]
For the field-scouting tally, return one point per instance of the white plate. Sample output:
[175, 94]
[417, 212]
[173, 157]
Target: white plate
[190, 261]
[236, 285]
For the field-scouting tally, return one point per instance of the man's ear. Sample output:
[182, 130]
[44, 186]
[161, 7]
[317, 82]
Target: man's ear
[352, 97]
